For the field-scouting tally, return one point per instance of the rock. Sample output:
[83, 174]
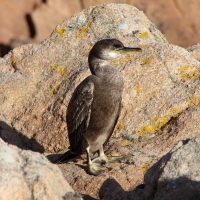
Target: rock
[160, 101]
[195, 51]
[28, 175]
[177, 174]
[38, 80]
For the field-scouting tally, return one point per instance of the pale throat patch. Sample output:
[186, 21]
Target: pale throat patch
[113, 54]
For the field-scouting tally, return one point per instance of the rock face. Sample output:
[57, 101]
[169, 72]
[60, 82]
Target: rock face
[177, 174]
[28, 175]
[38, 80]
[195, 51]
[160, 101]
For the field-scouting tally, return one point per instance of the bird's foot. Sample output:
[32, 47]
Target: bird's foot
[101, 159]
[95, 169]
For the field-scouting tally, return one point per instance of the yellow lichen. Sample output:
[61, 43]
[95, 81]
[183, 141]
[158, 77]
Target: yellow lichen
[146, 61]
[52, 68]
[14, 61]
[153, 94]
[54, 40]
[61, 31]
[189, 72]
[54, 89]
[65, 145]
[62, 71]
[124, 142]
[138, 89]
[82, 32]
[119, 126]
[195, 101]
[59, 69]
[143, 46]
[132, 74]
[144, 34]
[121, 60]
[158, 122]
[145, 167]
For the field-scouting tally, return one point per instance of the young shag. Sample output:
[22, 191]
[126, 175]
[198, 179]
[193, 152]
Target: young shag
[95, 105]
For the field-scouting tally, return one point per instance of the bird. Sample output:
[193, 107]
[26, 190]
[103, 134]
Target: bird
[95, 105]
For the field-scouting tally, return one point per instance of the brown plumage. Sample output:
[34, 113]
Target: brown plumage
[95, 105]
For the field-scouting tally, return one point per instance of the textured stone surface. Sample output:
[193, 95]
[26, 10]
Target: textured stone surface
[37, 80]
[177, 174]
[195, 51]
[160, 101]
[28, 175]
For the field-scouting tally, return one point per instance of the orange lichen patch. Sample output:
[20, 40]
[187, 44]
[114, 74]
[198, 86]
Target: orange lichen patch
[119, 126]
[144, 34]
[138, 89]
[54, 89]
[189, 72]
[14, 61]
[61, 31]
[124, 142]
[144, 167]
[145, 62]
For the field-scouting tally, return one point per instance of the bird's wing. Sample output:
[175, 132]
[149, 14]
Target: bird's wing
[114, 124]
[78, 114]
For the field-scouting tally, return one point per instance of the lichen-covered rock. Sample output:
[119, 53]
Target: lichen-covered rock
[195, 51]
[177, 174]
[37, 80]
[26, 175]
[160, 101]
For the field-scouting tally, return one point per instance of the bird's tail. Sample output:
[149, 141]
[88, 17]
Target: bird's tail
[65, 157]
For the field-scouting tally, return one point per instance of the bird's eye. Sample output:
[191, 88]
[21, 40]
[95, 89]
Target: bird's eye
[117, 46]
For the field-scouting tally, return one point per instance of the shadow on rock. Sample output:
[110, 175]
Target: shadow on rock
[180, 188]
[87, 197]
[111, 189]
[182, 163]
[11, 136]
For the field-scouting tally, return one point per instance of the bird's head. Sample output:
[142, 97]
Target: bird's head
[108, 49]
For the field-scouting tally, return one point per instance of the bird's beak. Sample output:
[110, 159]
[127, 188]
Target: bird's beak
[130, 49]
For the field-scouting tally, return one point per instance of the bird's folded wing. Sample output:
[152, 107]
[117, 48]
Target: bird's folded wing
[78, 112]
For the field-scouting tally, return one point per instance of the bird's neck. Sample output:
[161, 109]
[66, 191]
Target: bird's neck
[96, 65]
